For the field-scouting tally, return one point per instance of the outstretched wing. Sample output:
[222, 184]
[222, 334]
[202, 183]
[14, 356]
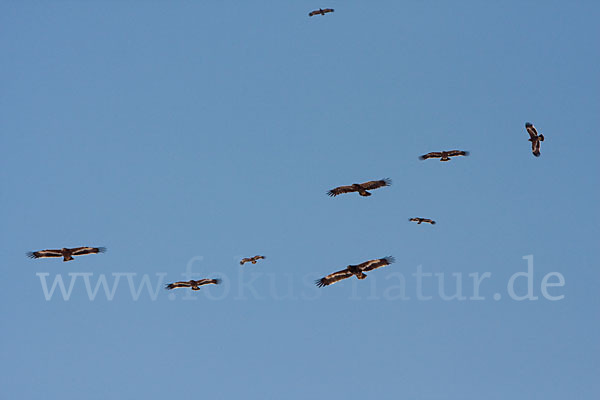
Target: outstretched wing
[340, 190]
[256, 258]
[433, 154]
[374, 264]
[44, 254]
[414, 219]
[533, 134]
[245, 260]
[376, 184]
[208, 282]
[454, 153]
[80, 251]
[175, 285]
[333, 278]
[328, 10]
[432, 222]
[535, 147]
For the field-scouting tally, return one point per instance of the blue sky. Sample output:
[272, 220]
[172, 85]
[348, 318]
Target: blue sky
[197, 133]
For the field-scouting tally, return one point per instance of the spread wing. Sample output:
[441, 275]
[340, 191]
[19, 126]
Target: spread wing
[340, 190]
[535, 147]
[328, 10]
[374, 264]
[433, 154]
[208, 282]
[333, 278]
[175, 285]
[376, 184]
[44, 254]
[255, 258]
[432, 222]
[80, 251]
[533, 134]
[414, 219]
[453, 153]
[245, 260]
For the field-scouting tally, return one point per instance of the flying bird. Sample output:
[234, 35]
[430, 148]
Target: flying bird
[444, 155]
[67, 254]
[195, 285]
[251, 259]
[357, 270]
[320, 11]
[534, 138]
[361, 188]
[419, 220]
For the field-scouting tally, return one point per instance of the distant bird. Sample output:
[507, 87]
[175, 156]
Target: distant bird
[195, 285]
[444, 155]
[251, 259]
[534, 138]
[67, 254]
[418, 220]
[320, 11]
[357, 270]
[361, 188]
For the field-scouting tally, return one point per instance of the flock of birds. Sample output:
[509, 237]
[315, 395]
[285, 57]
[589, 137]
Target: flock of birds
[362, 189]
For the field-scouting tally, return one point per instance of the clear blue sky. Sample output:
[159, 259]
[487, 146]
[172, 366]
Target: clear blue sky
[170, 130]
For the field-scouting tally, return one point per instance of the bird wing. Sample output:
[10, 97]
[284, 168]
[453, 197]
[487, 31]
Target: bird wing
[535, 147]
[432, 222]
[45, 254]
[376, 184]
[245, 260]
[208, 282]
[333, 278]
[374, 264]
[80, 251]
[433, 154]
[453, 153]
[175, 285]
[413, 219]
[328, 10]
[533, 134]
[255, 258]
[340, 190]
[315, 12]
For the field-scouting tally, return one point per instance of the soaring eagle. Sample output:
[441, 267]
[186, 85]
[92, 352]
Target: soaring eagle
[361, 188]
[67, 254]
[534, 138]
[357, 270]
[195, 285]
[419, 220]
[320, 11]
[444, 155]
[251, 259]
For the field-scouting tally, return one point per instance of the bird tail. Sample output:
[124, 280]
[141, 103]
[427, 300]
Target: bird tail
[445, 159]
[67, 258]
[541, 137]
[361, 275]
[365, 193]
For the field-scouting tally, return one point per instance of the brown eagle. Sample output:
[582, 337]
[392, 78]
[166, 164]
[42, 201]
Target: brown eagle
[67, 254]
[534, 138]
[361, 188]
[419, 220]
[251, 259]
[444, 155]
[320, 11]
[195, 285]
[357, 270]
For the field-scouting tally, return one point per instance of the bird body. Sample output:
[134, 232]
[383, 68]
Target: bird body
[66, 253]
[361, 188]
[534, 138]
[195, 285]
[354, 270]
[320, 11]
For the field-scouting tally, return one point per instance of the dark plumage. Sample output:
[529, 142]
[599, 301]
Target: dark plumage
[444, 155]
[253, 260]
[67, 254]
[195, 285]
[320, 11]
[357, 270]
[361, 188]
[534, 138]
[419, 220]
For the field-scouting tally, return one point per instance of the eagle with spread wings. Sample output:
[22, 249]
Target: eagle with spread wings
[320, 11]
[66, 254]
[534, 138]
[253, 260]
[444, 155]
[356, 270]
[419, 220]
[361, 188]
[195, 285]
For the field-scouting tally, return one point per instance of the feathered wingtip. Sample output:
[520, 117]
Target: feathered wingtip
[101, 249]
[217, 281]
[30, 254]
[320, 283]
[432, 222]
[387, 181]
[330, 193]
[169, 286]
[241, 263]
[528, 124]
[390, 259]
[466, 152]
[423, 157]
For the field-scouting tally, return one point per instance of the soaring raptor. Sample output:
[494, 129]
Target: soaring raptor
[66, 254]
[195, 285]
[253, 260]
[444, 155]
[419, 220]
[356, 270]
[320, 11]
[361, 188]
[534, 138]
